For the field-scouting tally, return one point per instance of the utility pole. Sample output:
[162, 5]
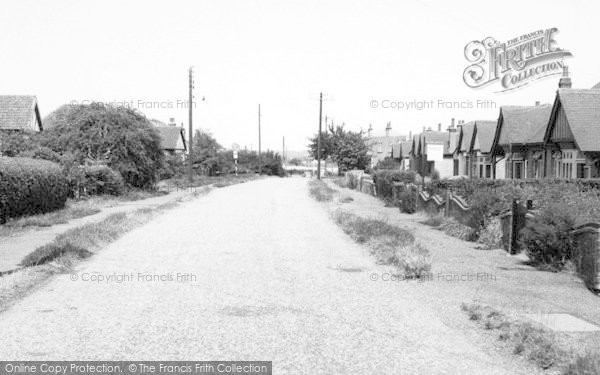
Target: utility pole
[319, 137]
[190, 134]
[259, 144]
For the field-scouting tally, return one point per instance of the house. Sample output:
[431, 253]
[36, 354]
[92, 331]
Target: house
[434, 151]
[172, 140]
[519, 141]
[401, 152]
[572, 136]
[380, 147]
[481, 151]
[19, 113]
[462, 153]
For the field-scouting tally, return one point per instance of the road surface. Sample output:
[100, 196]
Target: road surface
[256, 271]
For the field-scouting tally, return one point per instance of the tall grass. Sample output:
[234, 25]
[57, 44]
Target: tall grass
[320, 191]
[389, 244]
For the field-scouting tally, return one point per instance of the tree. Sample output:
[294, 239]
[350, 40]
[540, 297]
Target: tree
[346, 148]
[121, 138]
[206, 153]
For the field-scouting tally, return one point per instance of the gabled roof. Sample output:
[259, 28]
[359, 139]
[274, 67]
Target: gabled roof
[466, 137]
[170, 137]
[485, 131]
[18, 111]
[596, 86]
[522, 124]
[582, 109]
[401, 150]
[437, 137]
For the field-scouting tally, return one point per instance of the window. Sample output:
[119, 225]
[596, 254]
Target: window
[455, 167]
[581, 170]
[488, 171]
[518, 169]
[480, 170]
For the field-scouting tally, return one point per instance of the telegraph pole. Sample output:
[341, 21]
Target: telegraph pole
[319, 137]
[259, 144]
[283, 151]
[190, 134]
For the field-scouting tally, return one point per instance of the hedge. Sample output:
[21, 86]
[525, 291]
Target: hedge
[385, 178]
[30, 186]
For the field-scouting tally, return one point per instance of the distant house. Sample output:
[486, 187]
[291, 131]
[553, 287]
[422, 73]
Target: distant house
[481, 151]
[573, 134]
[19, 113]
[172, 140]
[434, 151]
[519, 140]
[380, 147]
[462, 153]
[401, 152]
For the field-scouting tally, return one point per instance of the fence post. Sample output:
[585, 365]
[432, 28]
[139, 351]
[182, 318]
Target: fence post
[512, 243]
[447, 209]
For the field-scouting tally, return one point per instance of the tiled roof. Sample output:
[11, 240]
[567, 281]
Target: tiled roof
[523, 124]
[170, 136]
[16, 112]
[485, 134]
[401, 149]
[437, 137]
[386, 142]
[467, 136]
[582, 108]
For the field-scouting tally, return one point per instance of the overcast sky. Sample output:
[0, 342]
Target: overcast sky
[280, 54]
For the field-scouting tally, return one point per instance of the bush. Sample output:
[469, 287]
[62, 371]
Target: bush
[546, 237]
[100, 180]
[29, 187]
[120, 137]
[384, 180]
[173, 166]
[408, 201]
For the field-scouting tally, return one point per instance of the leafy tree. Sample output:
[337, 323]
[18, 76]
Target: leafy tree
[346, 148]
[121, 138]
[206, 153]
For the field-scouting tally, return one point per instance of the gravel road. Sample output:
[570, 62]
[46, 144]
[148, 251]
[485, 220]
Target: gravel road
[264, 274]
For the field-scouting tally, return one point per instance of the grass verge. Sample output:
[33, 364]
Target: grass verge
[320, 191]
[535, 343]
[69, 248]
[389, 245]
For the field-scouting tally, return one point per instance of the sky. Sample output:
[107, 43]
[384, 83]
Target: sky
[281, 55]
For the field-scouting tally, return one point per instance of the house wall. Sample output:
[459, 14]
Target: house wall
[445, 167]
[501, 169]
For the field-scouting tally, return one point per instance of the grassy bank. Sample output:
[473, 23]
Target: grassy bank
[537, 344]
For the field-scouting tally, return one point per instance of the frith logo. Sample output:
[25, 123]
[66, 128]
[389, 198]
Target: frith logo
[514, 63]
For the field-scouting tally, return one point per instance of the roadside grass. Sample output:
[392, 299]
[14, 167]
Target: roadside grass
[182, 182]
[389, 245]
[451, 227]
[537, 344]
[341, 182]
[320, 191]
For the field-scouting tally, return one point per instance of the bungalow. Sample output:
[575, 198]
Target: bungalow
[401, 152]
[172, 140]
[19, 113]
[434, 151]
[573, 134]
[519, 141]
[481, 151]
[462, 153]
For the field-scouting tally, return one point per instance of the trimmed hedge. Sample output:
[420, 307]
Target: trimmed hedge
[385, 178]
[29, 187]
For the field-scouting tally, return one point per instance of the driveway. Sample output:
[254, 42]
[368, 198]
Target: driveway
[256, 271]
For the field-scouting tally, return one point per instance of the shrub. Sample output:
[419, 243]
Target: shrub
[121, 137]
[491, 235]
[546, 237]
[173, 166]
[408, 201]
[384, 180]
[100, 180]
[320, 191]
[455, 229]
[29, 186]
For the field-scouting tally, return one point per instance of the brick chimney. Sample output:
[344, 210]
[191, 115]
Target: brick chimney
[565, 81]
[388, 129]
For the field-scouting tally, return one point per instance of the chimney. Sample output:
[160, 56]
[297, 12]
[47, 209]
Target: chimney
[172, 122]
[537, 103]
[565, 81]
[410, 135]
[452, 123]
[440, 127]
[388, 128]
[424, 129]
[370, 131]
[429, 129]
